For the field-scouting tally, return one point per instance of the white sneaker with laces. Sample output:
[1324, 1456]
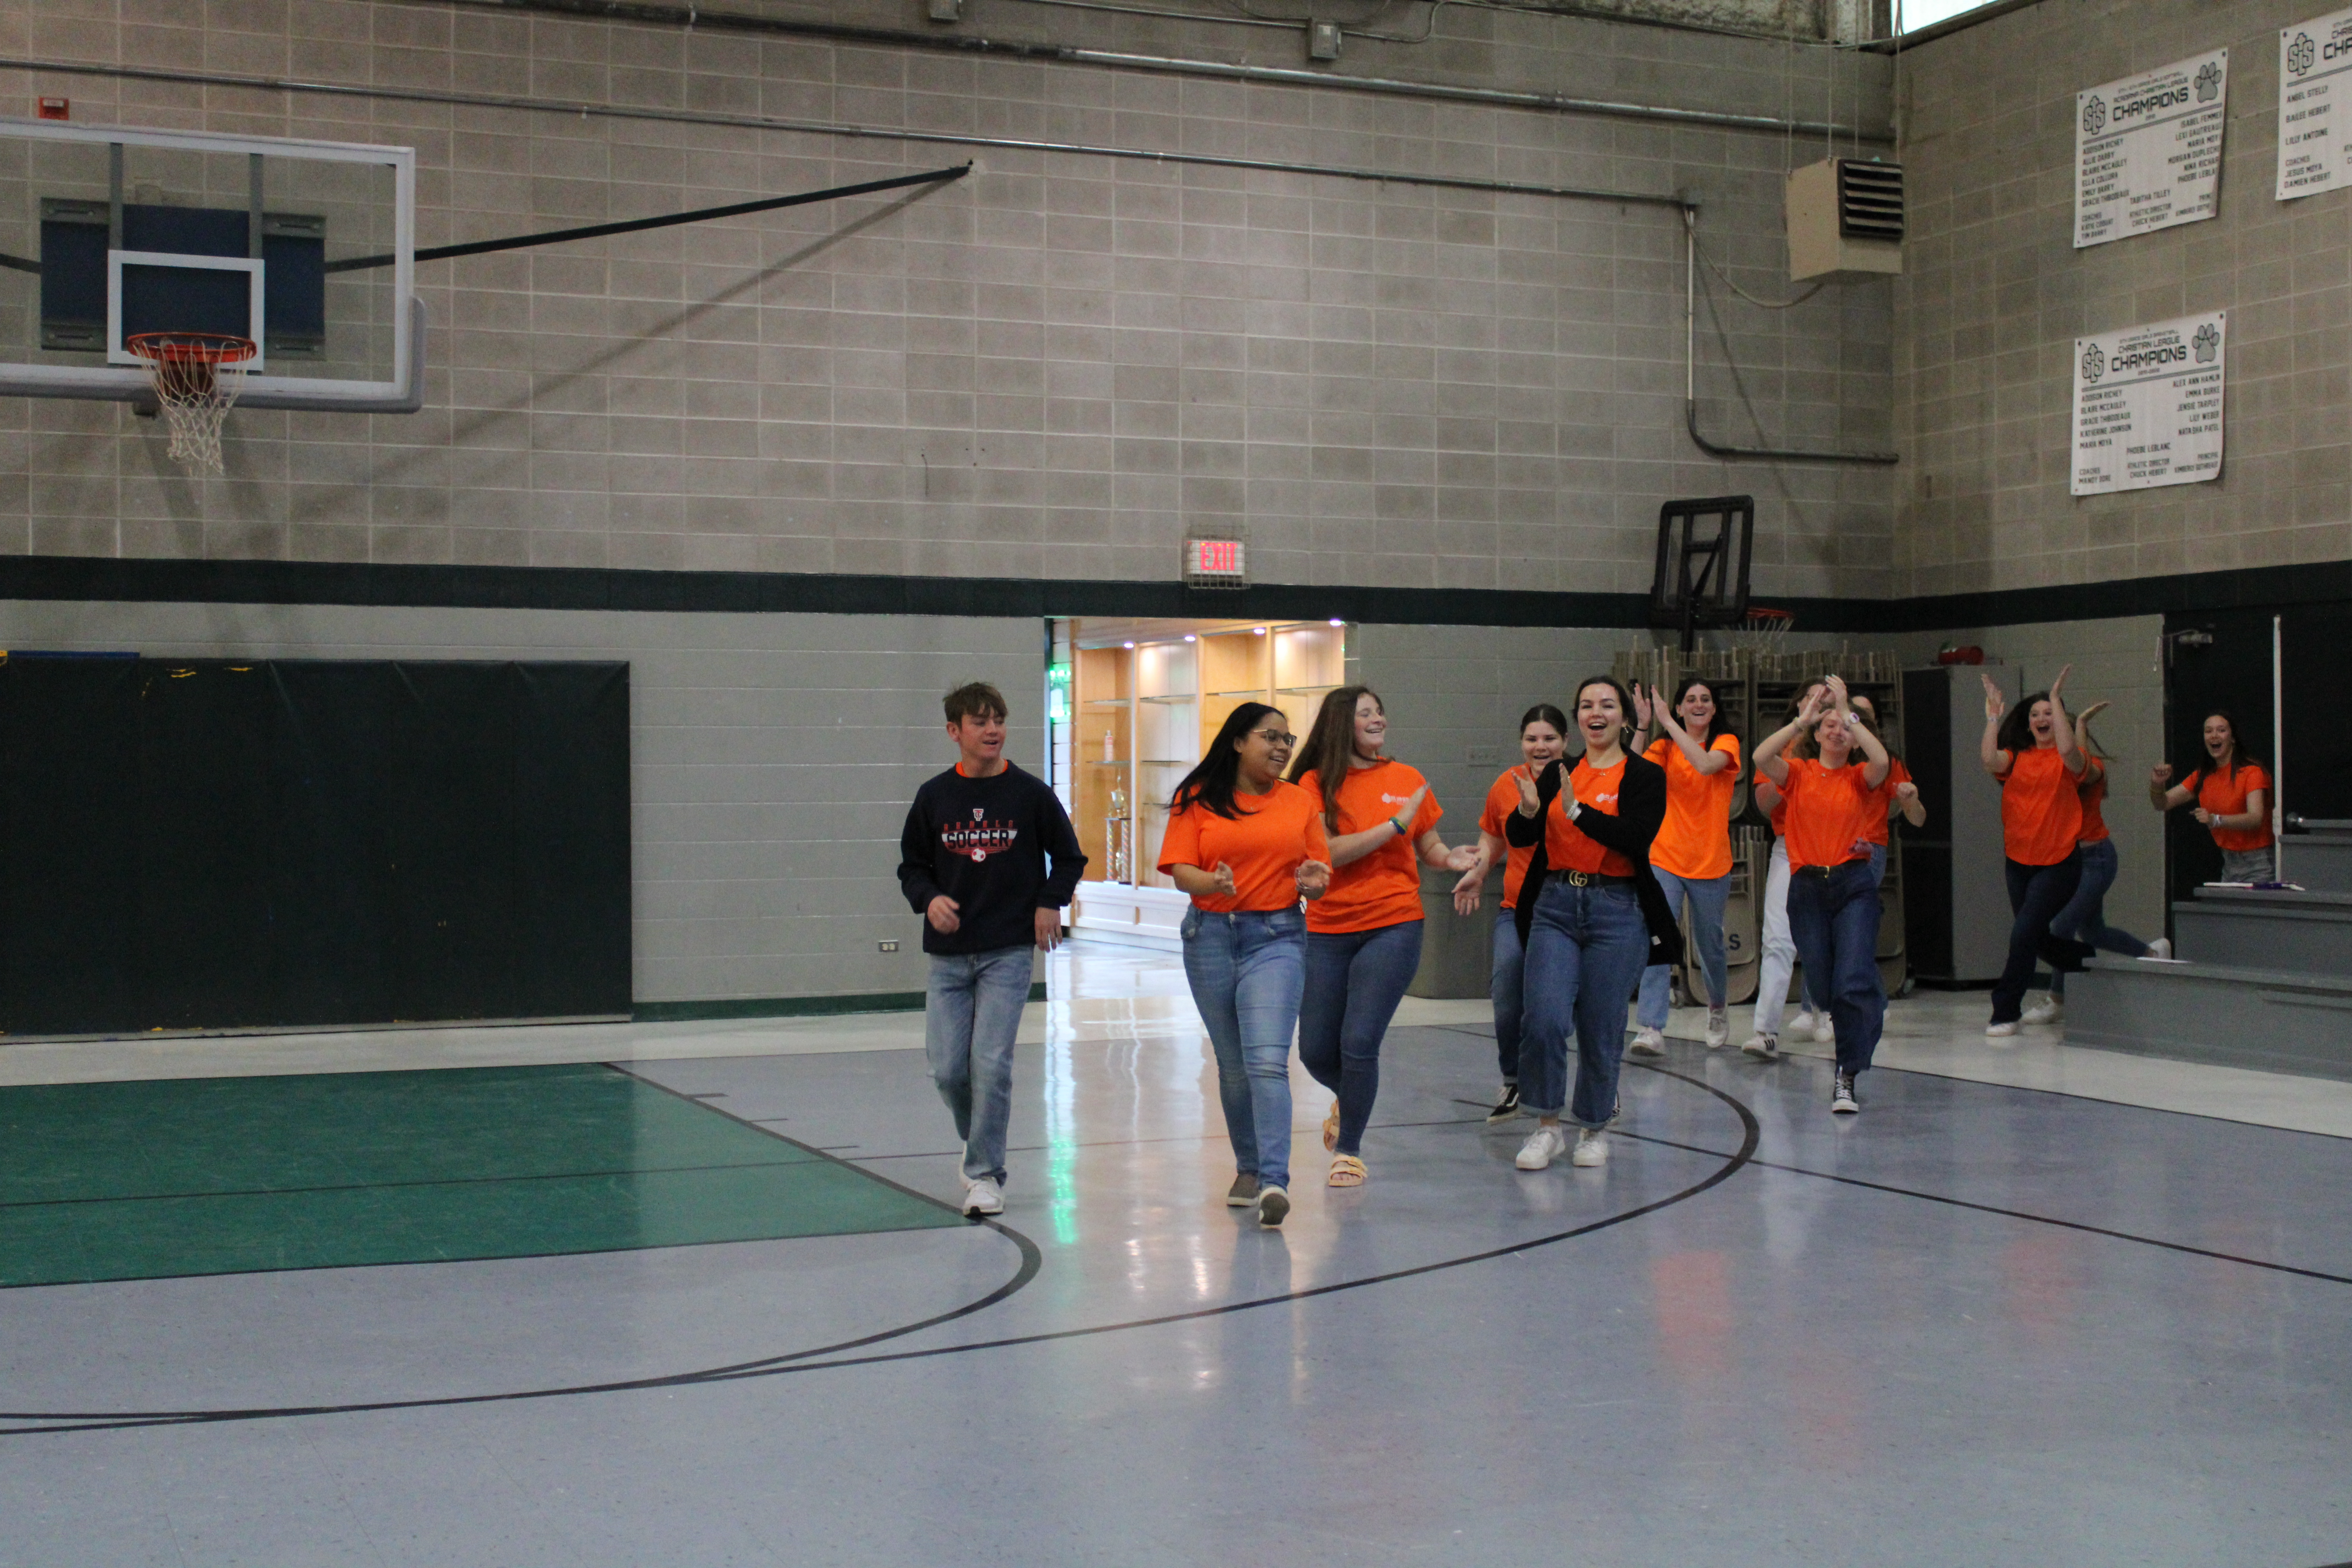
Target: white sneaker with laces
[1591, 1147]
[2160, 948]
[1825, 1029]
[982, 1197]
[1543, 1146]
[1801, 1027]
[2000, 1031]
[2046, 1011]
[1718, 1028]
[1764, 1047]
[1648, 1044]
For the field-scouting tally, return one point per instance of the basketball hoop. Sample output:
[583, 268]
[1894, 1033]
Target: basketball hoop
[1760, 632]
[196, 377]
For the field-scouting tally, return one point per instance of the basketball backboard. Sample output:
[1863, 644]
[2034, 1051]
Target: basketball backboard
[1701, 579]
[306, 247]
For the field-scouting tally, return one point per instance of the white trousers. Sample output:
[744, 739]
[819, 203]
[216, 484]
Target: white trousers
[1780, 957]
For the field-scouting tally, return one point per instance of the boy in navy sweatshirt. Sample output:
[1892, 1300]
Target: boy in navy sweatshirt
[972, 863]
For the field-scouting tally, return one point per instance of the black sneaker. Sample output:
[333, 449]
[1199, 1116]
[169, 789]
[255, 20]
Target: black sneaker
[1506, 1107]
[1841, 1099]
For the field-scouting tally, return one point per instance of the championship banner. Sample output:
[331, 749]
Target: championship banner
[2147, 149]
[2315, 153]
[2147, 406]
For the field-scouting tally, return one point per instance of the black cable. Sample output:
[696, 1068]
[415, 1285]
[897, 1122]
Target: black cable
[632, 226]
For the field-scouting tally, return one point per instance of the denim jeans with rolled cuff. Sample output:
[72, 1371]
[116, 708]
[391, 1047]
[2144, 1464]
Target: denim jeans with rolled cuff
[1586, 951]
[972, 1010]
[1708, 897]
[2083, 919]
[1354, 980]
[1506, 989]
[1835, 913]
[1247, 971]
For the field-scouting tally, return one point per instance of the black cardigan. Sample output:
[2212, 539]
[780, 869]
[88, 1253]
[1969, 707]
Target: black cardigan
[1641, 809]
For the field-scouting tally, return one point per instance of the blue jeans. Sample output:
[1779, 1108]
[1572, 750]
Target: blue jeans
[1505, 990]
[2084, 917]
[1834, 917]
[1707, 898]
[2036, 894]
[972, 1010]
[1354, 982]
[1246, 971]
[1586, 952]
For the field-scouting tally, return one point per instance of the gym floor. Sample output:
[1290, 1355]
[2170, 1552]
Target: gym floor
[687, 1294]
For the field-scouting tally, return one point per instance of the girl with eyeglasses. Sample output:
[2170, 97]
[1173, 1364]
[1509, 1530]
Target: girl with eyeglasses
[1247, 847]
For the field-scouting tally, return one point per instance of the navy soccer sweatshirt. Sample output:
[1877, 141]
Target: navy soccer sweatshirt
[985, 843]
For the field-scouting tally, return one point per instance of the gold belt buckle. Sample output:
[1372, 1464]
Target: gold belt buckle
[1581, 879]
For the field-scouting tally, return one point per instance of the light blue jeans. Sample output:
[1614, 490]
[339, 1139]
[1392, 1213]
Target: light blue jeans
[1246, 971]
[972, 1010]
[1506, 992]
[1707, 898]
[1585, 954]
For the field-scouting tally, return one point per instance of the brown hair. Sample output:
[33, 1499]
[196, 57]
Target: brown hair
[1329, 746]
[975, 700]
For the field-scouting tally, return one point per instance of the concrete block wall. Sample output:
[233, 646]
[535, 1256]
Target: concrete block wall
[1994, 295]
[1046, 370]
[772, 758]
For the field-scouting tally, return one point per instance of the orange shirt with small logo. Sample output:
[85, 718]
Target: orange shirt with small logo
[1695, 840]
[1383, 888]
[2225, 795]
[1896, 773]
[2040, 808]
[1566, 845]
[1828, 814]
[1264, 844]
[1502, 800]
[2094, 793]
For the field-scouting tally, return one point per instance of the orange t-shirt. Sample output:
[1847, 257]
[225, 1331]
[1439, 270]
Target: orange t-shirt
[1567, 847]
[1695, 840]
[2040, 808]
[1383, 888]
[1895, 773]
[2094, 793]
[1502, 800]
[2226, 796]
[1265, 845]
[1829, 812]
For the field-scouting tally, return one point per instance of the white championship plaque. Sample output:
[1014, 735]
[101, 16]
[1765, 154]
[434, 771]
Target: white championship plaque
[2147, 406]
[2147, 149]
[2315, 153]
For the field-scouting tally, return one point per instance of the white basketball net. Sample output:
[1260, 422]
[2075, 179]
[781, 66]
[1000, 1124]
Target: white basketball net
[196, 377]
[1760, 633]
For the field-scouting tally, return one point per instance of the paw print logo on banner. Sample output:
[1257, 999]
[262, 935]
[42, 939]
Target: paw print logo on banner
[2095, 363]
[2208, 82]
[2300, 53]
[2206, 343]
[2095, 115]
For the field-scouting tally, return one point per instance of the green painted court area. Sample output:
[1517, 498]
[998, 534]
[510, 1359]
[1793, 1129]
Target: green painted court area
[143, 1181]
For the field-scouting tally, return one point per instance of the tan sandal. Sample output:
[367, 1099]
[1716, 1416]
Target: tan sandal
[1331, 1127]
[1347, 1171]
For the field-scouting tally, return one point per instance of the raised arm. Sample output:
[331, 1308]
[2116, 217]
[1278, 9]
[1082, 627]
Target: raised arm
[1875, 761]
[2162, 792]
[1768, 760]
[1704, 760]
[2062, 728]
[1996, 761]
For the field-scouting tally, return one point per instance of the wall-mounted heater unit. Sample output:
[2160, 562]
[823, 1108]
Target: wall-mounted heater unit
[1845, 219]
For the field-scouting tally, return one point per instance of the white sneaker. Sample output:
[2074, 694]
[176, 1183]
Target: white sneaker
[982, 1197]
[1719, 1029]
[2160, 948]
[2046, 1011]
[1591, 1147]
[1764, 1047]
[1801, 1027]
[1825, 1029]
[1542, 1146]
[2000, 1031]
[1648, 1044]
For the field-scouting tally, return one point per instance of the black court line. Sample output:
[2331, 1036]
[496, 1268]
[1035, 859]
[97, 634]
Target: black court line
[54, 1422]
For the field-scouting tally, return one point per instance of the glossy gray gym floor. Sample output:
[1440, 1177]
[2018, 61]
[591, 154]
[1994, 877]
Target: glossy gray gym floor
[1978, 1323]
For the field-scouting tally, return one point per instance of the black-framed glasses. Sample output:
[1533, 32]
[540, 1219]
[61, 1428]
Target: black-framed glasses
[1276, 737]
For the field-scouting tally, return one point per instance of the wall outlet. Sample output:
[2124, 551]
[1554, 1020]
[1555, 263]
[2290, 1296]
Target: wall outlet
[1322, 41]
[947, 10]
[887, 946]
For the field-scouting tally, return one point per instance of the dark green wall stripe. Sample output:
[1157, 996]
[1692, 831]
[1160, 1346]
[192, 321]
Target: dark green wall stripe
[596, 588]
[791, 1007]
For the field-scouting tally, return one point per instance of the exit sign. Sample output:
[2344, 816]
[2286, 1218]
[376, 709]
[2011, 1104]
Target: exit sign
[1216, 562]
